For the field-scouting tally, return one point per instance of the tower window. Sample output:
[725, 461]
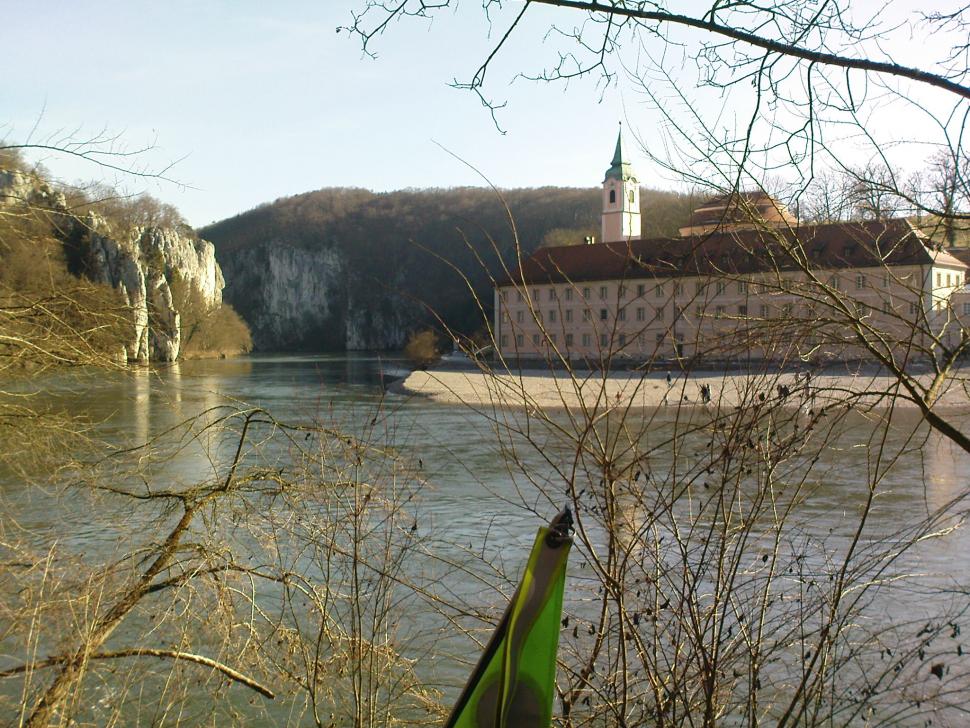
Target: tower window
[631, 197]
[612, 197]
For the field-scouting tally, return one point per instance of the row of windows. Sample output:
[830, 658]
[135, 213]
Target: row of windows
[952, 279]
[552, 315]
[862, 281]
[587, 340]
[631, 196]
[764, 311]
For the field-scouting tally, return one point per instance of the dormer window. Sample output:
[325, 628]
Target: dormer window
[612, 197]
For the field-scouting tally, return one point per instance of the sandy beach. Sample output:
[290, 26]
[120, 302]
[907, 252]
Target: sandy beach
[538, 388]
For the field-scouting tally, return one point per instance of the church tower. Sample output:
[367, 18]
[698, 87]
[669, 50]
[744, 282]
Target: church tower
[621, 198]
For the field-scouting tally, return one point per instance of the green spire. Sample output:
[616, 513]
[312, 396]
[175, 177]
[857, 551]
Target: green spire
[620, 169]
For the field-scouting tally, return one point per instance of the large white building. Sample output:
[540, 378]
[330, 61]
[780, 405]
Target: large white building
[743, 280]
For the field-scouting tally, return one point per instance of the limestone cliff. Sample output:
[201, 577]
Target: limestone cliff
[140, 261]
[311, 299]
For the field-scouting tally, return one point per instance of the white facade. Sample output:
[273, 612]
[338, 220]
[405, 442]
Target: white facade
[621, 199]
[621, 209]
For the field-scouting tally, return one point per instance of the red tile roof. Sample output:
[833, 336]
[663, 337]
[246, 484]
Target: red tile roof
[830, 246]
[740, 207]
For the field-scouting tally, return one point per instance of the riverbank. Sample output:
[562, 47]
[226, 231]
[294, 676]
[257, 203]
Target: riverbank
[542, 388]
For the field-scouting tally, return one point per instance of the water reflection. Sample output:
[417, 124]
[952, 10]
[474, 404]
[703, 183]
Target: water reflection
[476, 502]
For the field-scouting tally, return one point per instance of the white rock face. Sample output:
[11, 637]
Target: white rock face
[118, 265]
[193, 259]
[299, 299]
[23, 188]
[138, 262]
[289, 295]
[165, 333]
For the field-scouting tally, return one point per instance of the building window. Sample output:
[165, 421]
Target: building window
[631, 197]
[622, 339]
[640, 341]
[641, 314]
[660, 339]
[719, 312]
[535, 339]
[660, 313]
[948, 279]
[834, 282]
[535, 294]
[860, 282]
[939, 279]
[720, 287]
[505, 340]
[621, 314]
[678, 313]
[505, 296]
[641, 289]
[912, 309]
[786, 310]
[603, 292]
[586, 293]
[742, 286]
[699, 287]
[520, 340]
[622, 291]
[519, 317]
[569, 339]
[587, 314]
[552, 294]
[552, 317]
[659, 291]
[569, 294]
[678, 289]
[604, 340]
[763, 311]
[966, 308]
[742, 310]
[885, 280]
[587, 340]
[886, 308]
[612, 197]
[569, 315]
[518, 296]
[603, 314]
[552, 338]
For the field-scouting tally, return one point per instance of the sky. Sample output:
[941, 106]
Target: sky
[252, 101]
[255, 101]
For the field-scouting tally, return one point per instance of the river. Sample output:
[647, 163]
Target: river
[472, 497]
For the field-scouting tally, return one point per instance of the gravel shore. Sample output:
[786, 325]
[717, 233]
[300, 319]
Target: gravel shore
[546, 389]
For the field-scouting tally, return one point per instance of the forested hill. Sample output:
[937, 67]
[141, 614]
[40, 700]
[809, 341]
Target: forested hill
[349, 269]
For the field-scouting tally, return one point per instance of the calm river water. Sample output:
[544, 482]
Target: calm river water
[471, 494]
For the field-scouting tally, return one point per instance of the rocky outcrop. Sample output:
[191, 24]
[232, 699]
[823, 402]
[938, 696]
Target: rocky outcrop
[141, 263]
[118, 264]
[23, 188]
[191, 258]
[312, 300]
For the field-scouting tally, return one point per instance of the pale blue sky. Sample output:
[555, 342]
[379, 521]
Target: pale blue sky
[265, 100]
[261, 100]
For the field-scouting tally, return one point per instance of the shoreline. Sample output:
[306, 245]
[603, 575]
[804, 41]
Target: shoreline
[555, 389]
